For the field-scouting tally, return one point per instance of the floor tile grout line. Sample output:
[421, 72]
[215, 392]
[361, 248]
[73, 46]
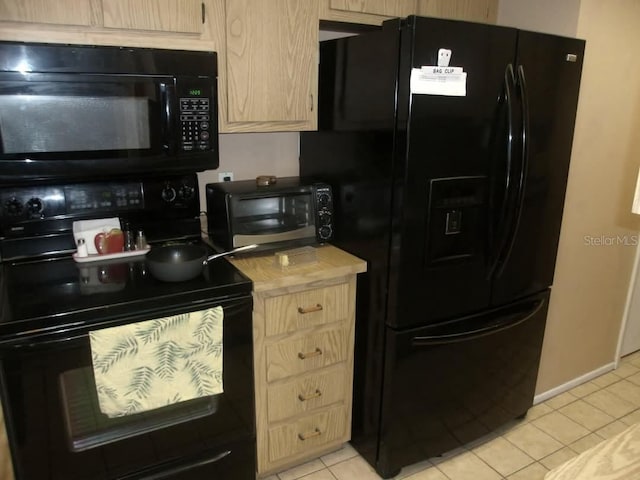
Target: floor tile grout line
[616, 418]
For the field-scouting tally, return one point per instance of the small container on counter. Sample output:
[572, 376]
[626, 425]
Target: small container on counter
[141, 241]
[295, 257]
[129, 239]
[82, 248]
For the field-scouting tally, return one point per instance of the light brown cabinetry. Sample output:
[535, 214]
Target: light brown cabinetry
[482, 11]
[101, 16]
[67, 12]
[303, 329]
[187, 16]
[272, 65]
[372, 12]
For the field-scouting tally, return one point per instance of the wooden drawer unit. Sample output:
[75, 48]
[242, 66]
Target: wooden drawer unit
[306, 393]
[289, 313]
[304, 354]
[303, 334]
[308, 433]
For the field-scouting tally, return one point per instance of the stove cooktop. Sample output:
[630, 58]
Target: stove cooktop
[57, 295]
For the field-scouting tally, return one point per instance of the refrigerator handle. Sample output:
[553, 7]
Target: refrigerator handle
[488, 329]
[498, 244]
[524, 164]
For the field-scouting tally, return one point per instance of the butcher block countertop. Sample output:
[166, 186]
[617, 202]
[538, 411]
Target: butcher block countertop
[266, 275]
[617, 458]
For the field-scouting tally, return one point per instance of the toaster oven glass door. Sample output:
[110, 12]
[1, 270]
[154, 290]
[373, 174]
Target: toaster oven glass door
[273, 219]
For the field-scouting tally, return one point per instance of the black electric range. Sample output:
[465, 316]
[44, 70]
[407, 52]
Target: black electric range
[49, 303]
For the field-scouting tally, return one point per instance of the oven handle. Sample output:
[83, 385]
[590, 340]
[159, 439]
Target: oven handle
[167, 92]
[185, 468]
[30, 342]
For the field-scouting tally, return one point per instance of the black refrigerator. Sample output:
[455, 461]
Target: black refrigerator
[455, 201]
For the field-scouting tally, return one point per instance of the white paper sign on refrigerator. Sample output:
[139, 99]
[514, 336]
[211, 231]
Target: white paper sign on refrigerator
[436, 80]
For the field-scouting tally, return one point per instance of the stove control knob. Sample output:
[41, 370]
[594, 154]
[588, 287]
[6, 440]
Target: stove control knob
[13, 207]
[34, 207]
[186, 192]
[169, 194]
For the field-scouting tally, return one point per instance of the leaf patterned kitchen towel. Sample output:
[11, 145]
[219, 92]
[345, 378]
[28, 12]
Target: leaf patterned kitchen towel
[151, 364]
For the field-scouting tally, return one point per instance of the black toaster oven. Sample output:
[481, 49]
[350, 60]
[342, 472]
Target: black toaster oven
[285, 214]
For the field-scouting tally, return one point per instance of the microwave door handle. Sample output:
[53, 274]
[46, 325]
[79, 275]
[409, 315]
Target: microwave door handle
[167, 96]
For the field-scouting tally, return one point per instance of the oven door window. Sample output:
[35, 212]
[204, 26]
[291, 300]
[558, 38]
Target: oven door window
[51, 117]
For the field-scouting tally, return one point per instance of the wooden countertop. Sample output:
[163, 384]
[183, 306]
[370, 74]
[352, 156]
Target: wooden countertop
[331, 262]
[617, 458]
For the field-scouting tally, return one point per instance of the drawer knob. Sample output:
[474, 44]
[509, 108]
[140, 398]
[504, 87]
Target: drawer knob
[315, 353]
[315, 308]
[309, 396]
[307, 435]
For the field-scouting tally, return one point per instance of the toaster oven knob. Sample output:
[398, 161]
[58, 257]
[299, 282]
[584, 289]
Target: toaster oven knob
[186, 192]
[323, 200]
[325, 219]
[13, 206]
[169, 194]
[34, 207]
[324, 232]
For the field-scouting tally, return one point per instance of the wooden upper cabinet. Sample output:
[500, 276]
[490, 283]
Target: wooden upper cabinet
[64, 12]
[483, 11]
[372, 12]
[272, 64]
[389, 8]
[183, 16]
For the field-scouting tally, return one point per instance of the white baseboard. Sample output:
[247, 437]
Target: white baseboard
[573, 383]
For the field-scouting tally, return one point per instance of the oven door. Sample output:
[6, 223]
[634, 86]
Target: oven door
[72, 125]
[56, 430]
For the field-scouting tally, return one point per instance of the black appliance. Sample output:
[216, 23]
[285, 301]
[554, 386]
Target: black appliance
[456, 204]
[283, 214]
[70, 110]
[49, 304]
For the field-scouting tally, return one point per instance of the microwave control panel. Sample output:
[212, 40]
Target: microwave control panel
[195, 123]
[196, 107]
[324, 212]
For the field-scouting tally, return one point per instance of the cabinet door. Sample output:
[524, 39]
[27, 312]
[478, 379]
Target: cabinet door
[64, 12]
[372, 12]
[483, 11]
[389, 8]
[272, 64]
[185, 16]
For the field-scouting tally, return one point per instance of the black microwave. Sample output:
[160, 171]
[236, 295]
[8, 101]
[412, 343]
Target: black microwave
[89, 111]
[285, 214]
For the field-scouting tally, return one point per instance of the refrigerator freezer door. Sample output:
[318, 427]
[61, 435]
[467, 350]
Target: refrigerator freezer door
[547, 83]
[439, 256]
[451, 383]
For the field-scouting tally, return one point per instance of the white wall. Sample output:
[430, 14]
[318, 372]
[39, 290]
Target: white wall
[559, 17]
[248, 155]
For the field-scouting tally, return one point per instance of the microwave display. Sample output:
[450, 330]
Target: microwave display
[47, 123]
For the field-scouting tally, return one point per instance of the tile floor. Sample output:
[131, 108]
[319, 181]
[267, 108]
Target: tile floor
[552, 432]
